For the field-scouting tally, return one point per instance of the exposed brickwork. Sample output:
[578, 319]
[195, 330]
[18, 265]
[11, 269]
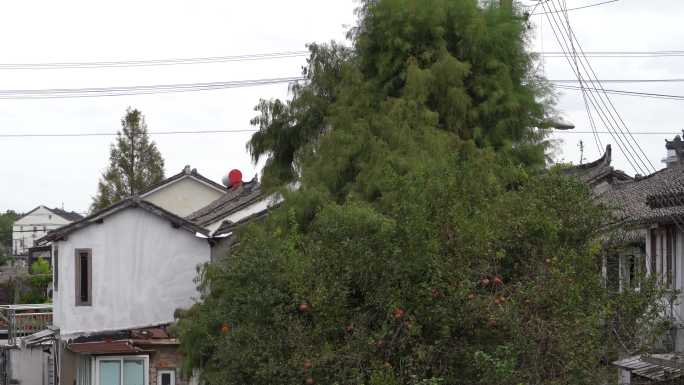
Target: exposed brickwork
[166, 357]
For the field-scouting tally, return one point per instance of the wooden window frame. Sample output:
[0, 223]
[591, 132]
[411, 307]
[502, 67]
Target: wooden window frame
[77, 280]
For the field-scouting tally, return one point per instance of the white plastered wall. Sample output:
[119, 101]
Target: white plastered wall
[142, 270]
[184, 196]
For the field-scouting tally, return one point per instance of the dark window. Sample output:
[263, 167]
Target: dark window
[632, 266]
[166, 379]
[653, 251]
[613, 273]
[84, 274]
[55, 268]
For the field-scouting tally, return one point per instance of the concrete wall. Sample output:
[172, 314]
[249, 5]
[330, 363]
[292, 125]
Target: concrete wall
[29, 366]
[142, 270]
[23, 234]
[184, 196]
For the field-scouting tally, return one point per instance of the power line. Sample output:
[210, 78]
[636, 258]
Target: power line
[626, 93]
[565, 45]
[608, 132]
[573, 9]
[54, 93]
[671, 80]
[84, 134]
[87, 134]
[617, 130]
[617, 54]
[153, 62]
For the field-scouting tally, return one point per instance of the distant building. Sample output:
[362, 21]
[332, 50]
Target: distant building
[36, 224]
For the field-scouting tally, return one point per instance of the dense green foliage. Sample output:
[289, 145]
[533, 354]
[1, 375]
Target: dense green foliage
[425, 245]
[135, 163]
[468, 66]
[33, 287]
[6, 221]
[41, 267]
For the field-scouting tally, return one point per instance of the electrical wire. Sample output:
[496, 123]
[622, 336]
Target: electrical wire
[84, 134]
[670, 80]
[576, 8]
[597, 139]
[154, 62]
[626, 93]
[560, 37]
[90, 134]
[617, 54]
[632, 156]
[608, 132]
[139, 90]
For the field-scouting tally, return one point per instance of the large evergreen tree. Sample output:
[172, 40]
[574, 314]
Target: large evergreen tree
[135, 163]
[426, 243]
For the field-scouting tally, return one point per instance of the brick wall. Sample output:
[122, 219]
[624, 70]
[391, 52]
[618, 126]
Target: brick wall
[166, 357]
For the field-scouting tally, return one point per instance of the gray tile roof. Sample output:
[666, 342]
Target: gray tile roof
[650, 199]
[233, 200]
[598, 170]
[68, 215]
[655, 367]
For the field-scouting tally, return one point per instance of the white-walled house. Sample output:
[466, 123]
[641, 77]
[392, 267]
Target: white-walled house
[128, 266]
[35, 224]
[121, 273]
[649, 239]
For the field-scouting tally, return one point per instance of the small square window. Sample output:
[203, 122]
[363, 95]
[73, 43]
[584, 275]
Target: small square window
[166, 377]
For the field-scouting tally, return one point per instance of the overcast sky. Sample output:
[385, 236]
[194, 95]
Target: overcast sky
[64, 171]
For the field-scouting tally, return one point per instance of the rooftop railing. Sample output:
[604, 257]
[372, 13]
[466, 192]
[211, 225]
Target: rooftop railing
[23, 320]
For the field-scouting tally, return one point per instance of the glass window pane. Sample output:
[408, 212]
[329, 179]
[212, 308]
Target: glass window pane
[134, 372]
[110, 372]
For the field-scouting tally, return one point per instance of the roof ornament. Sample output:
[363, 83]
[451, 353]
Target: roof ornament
[187, 170]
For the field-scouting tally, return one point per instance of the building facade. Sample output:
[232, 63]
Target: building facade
[36, 224]
[121, 273]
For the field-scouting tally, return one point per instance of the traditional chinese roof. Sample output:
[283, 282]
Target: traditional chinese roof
[599, 170]
[235, 199]
[656, 198]
[68, 215]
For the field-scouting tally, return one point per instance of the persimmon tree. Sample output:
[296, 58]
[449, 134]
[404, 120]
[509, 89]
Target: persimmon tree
[426, 243]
